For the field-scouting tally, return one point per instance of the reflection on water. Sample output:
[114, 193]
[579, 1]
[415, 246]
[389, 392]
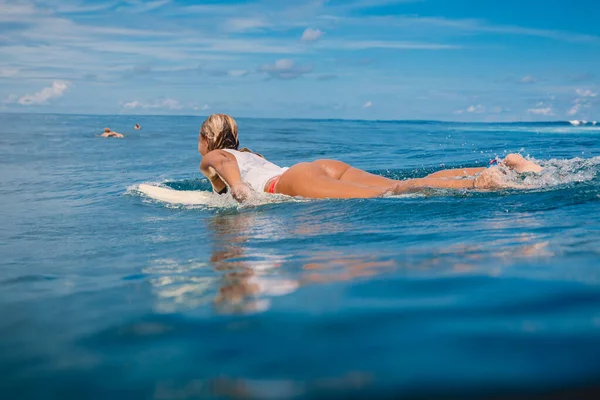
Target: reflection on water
[251, 276]
[241, 277]
[332, 266]
[179, 286]
[239, 388]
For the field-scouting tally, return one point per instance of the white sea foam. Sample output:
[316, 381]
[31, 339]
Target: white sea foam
[213, 200]
[557, 172]
[583, 123]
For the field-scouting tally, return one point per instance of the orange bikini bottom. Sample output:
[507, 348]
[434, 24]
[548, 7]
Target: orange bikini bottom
[273, 183]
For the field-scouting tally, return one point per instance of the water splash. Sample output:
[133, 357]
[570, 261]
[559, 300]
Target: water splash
[560, 172]
[214, 201]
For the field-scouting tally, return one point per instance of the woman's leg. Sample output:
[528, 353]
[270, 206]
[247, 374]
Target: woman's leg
[344, 172]
[458, 172]
[413, 185]
[512, 161]
[314, 180]
[335, 179]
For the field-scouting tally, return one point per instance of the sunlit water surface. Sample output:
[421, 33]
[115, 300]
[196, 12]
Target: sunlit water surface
[106, 293]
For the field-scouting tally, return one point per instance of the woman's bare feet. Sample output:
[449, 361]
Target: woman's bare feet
[494, 178]
[491, 178]
[520, 164]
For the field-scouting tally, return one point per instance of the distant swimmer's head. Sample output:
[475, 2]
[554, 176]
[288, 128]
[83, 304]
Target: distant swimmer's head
[219, 131]
[137, 126]
[106, 130]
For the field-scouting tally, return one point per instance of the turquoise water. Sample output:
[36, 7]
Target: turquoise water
[106, 293]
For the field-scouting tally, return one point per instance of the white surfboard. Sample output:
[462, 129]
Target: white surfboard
[187, 197]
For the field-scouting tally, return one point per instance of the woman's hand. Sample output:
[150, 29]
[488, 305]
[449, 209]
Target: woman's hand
[242, 192]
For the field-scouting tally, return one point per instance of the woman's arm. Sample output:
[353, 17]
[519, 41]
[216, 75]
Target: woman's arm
[221, 169]
[219, 186]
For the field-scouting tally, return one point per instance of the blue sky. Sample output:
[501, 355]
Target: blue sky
[464, 60]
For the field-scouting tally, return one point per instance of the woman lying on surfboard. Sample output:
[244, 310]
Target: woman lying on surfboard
[109, 133]
[243, 172]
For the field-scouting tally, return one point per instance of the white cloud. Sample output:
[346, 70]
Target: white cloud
[379, 44]
[310, 35]
[368, 104]
[285, 69]
[497, 110]
[584, 100]
[139, 6]
[244, 24]
[55, 91]
[574, 110]
[481, 26]
[83, 8]
[475, 109]
[478, 109]
[8, 72]
[196, 107]
[237, 72]
[169, 104]
[586, 93]
[528, 79]
[540, 110]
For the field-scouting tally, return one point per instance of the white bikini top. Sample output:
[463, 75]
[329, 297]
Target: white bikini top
[255, 170]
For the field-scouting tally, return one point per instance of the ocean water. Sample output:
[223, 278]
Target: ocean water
[107, 294]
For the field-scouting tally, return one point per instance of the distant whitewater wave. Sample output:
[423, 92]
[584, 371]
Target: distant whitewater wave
[435, 122]
[555, 123]
[576, 122]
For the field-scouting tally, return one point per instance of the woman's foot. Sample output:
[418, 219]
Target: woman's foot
[520, 164]
[494, 178]
[491, 178]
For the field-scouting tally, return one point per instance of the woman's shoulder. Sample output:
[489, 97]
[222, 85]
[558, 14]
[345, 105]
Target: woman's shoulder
[219, 152]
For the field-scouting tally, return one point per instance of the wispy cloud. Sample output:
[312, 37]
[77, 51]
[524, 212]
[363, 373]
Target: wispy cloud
[585, 93]
[528, 79]
[582, 77]
[285, 69]
[474, 109]
[46, 94]
[574, 110]
[8, 72]
[476, 26]
[380, 44]
[244, 24]
[542, 109]
[167, 104]
[68, 7]
[368, 104]
[140, 6]
[582, 101]
[363, 4]
[310, 35]
[238, 72]
[169, 50]
[498, 110]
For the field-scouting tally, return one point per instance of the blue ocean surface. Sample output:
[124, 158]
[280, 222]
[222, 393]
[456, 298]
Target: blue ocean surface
[105, 293]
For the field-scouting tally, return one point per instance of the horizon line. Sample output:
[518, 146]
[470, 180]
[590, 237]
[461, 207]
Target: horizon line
[297, 118]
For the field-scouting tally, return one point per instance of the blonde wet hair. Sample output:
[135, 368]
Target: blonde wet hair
[221, 132]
